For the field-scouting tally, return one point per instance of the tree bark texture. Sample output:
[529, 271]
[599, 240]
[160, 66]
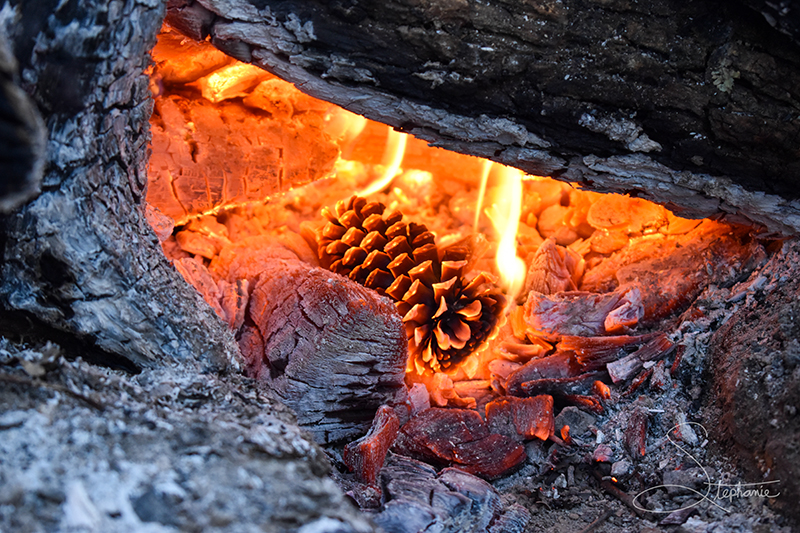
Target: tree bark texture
[82, 257]
[694, 105]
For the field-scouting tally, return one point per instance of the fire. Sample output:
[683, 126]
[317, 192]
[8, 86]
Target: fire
[230, 139]
[231, 81]
[507, 210]
[393, 157]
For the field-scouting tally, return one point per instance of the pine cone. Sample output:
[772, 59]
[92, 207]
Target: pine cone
[370, 247]
[447, 317]
[445, 320]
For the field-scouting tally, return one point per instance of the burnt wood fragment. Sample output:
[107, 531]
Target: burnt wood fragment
[333, 350]
[365, 456]
[521, 418]
[693, 105]
[459, 437]
[417, 499]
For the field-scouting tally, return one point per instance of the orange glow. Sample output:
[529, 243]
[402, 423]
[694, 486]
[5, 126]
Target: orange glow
[487, 168]
[239, 154]
[231, 81]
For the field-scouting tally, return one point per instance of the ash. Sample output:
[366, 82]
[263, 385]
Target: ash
[85, 448]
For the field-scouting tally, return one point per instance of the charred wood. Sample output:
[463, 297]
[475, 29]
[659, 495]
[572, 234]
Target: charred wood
[333, 350]
[23, 136]
[686, 104]
[365, 456]
[451, 501]
[459, 437]
[82, 257]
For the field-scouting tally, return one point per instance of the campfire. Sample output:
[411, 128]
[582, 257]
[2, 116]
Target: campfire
[462, 303]
[232, 304]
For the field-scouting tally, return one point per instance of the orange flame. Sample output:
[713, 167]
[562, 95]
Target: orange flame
[506, 212]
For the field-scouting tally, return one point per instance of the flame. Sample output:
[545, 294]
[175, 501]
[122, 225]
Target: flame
[231, 81]
[393, 156]
[343, 126]
[506, 211]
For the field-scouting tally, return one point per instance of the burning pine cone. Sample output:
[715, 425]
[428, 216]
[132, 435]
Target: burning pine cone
[368, 247]
[447, 315]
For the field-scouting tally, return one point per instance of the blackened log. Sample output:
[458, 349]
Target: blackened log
[691, 104]
[81, 257]
[754, 387]
[334, 351]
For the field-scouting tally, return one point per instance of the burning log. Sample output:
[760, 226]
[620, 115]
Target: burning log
[543, 89]
[267, 142]
[331, 350]
[459, 437]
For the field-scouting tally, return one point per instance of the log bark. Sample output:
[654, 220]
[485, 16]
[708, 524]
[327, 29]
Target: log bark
[81, 257]
[693, 105]
[754, 383]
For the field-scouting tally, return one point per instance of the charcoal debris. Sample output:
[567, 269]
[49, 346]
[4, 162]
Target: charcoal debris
[419, 499]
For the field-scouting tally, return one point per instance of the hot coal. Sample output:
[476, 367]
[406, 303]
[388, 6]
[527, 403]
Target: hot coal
[461, 438]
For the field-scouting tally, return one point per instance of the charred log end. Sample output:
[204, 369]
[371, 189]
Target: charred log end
[333, 350]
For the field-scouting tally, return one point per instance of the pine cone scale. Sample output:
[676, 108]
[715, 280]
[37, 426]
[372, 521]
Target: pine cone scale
[446, 316]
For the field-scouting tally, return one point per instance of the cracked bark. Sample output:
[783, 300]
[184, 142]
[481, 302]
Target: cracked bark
[81, 258]
[691, 105]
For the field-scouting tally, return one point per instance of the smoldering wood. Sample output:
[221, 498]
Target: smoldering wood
[81, 258]
[690, 105]
[23, 137]
[333, 350]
